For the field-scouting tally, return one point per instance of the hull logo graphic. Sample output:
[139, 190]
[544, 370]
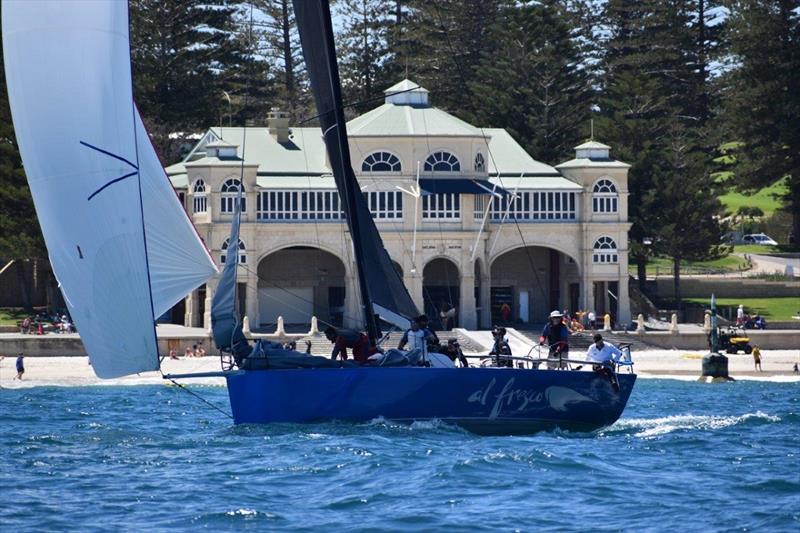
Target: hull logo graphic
[562, 398]
[508, 398]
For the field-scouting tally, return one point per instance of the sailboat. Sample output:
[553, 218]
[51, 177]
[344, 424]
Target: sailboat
[124, 251]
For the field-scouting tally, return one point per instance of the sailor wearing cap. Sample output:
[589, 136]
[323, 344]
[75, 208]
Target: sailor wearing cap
[556, 335]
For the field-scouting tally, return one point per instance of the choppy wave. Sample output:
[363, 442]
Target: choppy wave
[651, 427]
[155, 458]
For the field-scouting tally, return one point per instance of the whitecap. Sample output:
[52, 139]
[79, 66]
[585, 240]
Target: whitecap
[652, 427]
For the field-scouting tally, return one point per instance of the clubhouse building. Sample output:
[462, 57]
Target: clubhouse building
[471, 221]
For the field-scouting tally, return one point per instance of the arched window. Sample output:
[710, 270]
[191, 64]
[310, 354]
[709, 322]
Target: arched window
[380, 162]
[230, 190]
[242, 251]
[605, 251]
[480, 163]
[200, 202]
[442, 162]
[604, 197]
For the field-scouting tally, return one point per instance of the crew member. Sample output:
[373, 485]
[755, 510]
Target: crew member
[417, 337]
[604, 354]
[433, 339]
[343, 339]
[556, 335]
[501, 348]
[453, 351]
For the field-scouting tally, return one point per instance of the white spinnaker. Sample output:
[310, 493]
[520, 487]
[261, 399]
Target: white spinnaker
[68, 76]
[179, 261]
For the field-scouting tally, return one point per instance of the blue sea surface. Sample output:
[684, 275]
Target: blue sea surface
[684, 456]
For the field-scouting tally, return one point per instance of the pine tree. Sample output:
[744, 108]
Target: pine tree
[444, 42]
[279, 43]
[531, 80]
[20, 236]
[363, 49]
[654, 113]
[762, 96]
[184, 55]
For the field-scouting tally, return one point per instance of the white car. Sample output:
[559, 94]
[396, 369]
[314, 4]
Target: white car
[759, 238]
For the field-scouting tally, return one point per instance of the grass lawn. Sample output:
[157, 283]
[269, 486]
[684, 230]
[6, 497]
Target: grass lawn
[763, 199]
[663, 265]
[9, 316]
[782, 308]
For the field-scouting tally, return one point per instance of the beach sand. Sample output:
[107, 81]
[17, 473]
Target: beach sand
[676, 364]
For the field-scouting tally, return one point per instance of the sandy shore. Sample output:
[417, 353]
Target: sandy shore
[676, 364]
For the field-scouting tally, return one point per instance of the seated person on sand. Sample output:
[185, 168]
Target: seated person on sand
[188, 352]
[199, 351]
[173, 354]
[343, 339]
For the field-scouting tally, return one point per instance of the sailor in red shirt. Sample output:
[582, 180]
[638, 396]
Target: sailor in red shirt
[343, 339]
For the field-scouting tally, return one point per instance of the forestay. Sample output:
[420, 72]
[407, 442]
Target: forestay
[82, 144]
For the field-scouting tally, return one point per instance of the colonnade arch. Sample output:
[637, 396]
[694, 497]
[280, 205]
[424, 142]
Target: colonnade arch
[441, 286]
[299, 282]
[527, 282]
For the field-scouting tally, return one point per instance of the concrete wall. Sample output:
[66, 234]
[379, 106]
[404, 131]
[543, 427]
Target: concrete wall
[698, 341]
[71, 345]
[728, 288]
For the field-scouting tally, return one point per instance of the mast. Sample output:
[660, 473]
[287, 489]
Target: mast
[320, 53]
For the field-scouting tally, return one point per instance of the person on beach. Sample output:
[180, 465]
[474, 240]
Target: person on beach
[188, 352]
[740, 315]
[173, 354]
[343, 339]
[199, 351]
[20, 366]
[26, 325]
[757, 358]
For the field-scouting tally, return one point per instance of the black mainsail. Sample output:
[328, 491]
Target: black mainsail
[382, 289]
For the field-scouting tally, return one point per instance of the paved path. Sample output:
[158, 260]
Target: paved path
[769, 264]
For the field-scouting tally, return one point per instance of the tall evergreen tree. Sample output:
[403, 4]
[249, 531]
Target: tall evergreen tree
[652, 114]
[531, 80]
[444, 42]
[184, 53]
[762, 97]
[20, 236]
[279, 44]
[363, 48]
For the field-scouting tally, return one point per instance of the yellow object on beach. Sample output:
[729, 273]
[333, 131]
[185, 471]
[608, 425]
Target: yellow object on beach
[691, 356]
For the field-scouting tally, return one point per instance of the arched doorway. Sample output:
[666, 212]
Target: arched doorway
[529, 282]
[441, 291]
[298, 283]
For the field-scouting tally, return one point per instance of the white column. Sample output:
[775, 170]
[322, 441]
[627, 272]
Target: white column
[466, 313]
[486, 302]
[623, 302]
[352, 308]
[189, 303]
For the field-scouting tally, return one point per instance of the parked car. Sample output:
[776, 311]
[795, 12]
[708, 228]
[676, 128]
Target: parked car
[759, 238]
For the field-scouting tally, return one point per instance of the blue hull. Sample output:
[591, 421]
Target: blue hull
[496, 401]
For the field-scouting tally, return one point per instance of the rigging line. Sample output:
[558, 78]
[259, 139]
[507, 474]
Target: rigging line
[191, 392]
[462, 77]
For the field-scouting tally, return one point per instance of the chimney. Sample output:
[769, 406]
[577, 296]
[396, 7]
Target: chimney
[278, 122]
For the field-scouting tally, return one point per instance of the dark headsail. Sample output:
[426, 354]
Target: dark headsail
[225, 326]
[382, 289]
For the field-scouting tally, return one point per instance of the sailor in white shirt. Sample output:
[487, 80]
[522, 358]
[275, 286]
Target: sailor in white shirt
[601, 352]
[604, 355]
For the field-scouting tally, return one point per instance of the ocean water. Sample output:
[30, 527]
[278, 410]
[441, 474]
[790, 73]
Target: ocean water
[684, 456]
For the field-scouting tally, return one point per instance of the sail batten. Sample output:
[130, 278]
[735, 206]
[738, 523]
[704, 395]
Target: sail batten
[94, 178]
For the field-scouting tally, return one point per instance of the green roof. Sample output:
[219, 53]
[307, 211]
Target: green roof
[511, 159]
[391, 120]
